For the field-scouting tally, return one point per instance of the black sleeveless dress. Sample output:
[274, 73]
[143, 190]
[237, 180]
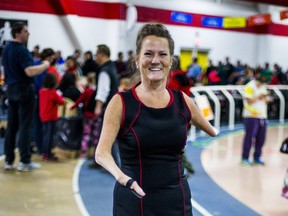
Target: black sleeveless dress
[151, 143]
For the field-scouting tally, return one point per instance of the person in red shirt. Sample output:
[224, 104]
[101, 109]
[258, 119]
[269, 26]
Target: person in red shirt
[52, 69]
[49, 100]
[90, 123]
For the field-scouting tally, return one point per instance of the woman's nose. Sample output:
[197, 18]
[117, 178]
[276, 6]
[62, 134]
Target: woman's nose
[156, 59]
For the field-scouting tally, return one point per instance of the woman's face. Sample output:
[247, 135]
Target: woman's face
[154, 60]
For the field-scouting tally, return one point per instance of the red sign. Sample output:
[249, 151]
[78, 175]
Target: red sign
[261, 19]
[284, 14]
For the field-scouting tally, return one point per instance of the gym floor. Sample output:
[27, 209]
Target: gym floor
[220, 186]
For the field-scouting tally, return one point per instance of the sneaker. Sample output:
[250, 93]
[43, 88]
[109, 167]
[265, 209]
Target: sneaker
[23, 167]
[8, 166]
[246, 162]
[258, 161]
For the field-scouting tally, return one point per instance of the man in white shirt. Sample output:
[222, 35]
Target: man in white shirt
[254, 117]
[107, 85]
[107, 81]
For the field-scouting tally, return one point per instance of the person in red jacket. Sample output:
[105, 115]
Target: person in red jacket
[177, 79]
[49, 100]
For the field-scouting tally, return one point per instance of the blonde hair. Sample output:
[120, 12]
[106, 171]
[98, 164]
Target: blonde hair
[81, 83]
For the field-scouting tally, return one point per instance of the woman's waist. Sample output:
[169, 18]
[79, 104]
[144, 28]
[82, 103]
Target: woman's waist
[156, 175]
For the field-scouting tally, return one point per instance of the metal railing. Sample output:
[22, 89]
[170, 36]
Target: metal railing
[226, 91]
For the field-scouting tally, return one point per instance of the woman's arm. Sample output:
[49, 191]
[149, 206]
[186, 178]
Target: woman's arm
[103, 155]
[198, 119]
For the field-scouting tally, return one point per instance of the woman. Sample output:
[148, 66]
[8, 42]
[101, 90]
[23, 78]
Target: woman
[150, 123]
[72, 66]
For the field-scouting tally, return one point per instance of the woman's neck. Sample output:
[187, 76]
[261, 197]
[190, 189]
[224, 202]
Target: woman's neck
[153, 95]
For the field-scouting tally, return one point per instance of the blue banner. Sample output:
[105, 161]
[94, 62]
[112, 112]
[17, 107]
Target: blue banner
[216, 22]
[181, 17]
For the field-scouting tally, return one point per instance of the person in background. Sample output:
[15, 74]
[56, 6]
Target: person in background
[77, 56]
[36, 53]
[211, 73]
[177, 79]
[90, 136]
[49, 100]
[229, 69]
[46, 53]
[68, 86]
[255, 99]
[53, 69]
[130, 56]
[81, 83]
[150, 123]
[120, 66]
[19, 69]
[194, 72]
[248, 76]
[89, 64]
[239, 71]
[60, 63]
[72, 66]
[107, 86]
[36, 129]
[107, 81]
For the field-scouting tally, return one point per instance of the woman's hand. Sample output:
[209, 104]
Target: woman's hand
[135, 188]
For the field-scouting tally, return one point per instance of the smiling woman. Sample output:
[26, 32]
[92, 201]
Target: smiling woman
[150, 123]
[154, 59]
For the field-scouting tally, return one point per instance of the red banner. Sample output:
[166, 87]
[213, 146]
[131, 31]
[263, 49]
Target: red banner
[261, 19]
[284, 14]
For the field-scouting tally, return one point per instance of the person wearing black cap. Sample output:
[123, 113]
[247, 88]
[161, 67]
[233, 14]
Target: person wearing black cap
[255, 99]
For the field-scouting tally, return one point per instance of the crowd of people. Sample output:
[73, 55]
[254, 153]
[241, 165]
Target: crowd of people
[93, 79]
[39, 81]
[233, 74]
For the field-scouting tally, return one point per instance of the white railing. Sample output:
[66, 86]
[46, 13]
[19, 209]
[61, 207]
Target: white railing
[226, 91]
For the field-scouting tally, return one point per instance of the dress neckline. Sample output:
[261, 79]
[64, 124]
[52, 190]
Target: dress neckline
[138, 99]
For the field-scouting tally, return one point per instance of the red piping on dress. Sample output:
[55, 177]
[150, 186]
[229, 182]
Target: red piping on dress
[140, 169]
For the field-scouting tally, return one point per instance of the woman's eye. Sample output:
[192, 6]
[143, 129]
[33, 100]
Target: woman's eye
[147, 54]
[163, 54]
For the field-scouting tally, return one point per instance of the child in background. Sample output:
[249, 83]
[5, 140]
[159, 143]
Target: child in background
[81, 83]
[90, 122]
[49, 99]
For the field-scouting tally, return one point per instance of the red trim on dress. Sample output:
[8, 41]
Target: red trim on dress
[140, 169]
[123, 110]
[181, 185]
[138, 99]
[187, 105]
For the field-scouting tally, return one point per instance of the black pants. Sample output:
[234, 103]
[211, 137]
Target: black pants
[48, 134]
[20, 112]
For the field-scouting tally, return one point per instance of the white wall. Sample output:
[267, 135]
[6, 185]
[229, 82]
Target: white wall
[69, 32]
[66, 33]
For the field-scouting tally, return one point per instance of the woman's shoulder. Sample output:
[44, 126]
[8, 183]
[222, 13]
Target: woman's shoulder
[125, 94]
